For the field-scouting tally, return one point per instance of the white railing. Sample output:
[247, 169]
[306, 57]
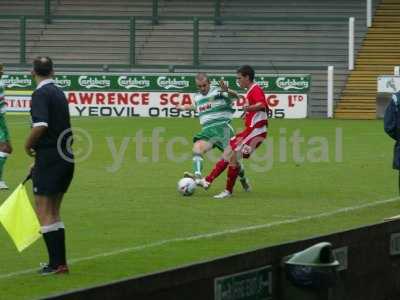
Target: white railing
[351, 43]
[369, 13]
[330, 91]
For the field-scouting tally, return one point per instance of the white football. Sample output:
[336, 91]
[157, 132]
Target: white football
[186, 186]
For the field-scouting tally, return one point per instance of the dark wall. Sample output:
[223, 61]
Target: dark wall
[372, 272]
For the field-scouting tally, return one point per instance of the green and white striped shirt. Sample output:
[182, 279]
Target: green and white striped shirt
[3, 105]
[214, 108]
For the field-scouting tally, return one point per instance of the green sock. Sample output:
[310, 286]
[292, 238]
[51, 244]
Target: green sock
[197, 164]
[2, 163]
[241, 172]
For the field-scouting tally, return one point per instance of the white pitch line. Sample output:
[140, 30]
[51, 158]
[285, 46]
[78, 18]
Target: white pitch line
[214, 234]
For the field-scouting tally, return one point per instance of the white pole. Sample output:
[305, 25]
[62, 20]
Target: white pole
[369, 13]
[351, 43]
[396, 71]
[330, 91]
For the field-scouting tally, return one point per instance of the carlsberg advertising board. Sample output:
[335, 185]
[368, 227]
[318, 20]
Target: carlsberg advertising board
[148, 95]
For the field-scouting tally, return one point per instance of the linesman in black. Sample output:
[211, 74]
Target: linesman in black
[49, 142]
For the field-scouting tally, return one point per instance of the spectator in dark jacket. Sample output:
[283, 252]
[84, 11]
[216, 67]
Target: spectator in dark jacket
[392, 128]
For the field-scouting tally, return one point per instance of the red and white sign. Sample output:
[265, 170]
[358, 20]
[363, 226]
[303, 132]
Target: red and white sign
[18, 103]
[157, 104]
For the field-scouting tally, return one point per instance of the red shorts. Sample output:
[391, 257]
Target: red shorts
[248, 140]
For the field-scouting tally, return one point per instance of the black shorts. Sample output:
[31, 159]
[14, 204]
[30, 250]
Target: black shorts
[52, 173]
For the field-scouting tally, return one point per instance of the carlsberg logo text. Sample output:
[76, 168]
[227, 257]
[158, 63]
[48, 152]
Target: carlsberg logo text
[15, 81]
[215, 81]
[94, 82]
[172, 83]
[129, 82]
[287, 83]
[262, 82]
[63, 82]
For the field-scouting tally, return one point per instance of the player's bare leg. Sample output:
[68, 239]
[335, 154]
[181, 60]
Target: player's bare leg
[245, 153]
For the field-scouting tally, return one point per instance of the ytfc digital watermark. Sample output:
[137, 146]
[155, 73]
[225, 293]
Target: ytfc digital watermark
[285, 147]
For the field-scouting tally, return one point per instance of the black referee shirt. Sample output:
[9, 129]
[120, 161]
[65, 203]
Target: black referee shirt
[49, 107]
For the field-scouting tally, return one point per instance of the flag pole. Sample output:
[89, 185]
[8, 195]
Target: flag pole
[29, 176]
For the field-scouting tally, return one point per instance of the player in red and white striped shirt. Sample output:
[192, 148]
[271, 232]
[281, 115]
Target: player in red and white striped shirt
[246, 141]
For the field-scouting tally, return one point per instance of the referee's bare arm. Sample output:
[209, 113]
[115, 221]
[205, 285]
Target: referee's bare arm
[34, 136]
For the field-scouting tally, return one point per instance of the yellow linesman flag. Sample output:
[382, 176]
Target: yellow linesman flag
[19, 218]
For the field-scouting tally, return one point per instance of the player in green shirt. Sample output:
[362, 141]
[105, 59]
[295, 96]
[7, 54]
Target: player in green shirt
[5, 145]
[215, 114]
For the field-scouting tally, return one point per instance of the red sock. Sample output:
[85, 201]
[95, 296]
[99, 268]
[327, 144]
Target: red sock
[233, 173]
[219, 167]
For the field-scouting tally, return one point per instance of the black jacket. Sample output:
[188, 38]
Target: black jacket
[392, 126]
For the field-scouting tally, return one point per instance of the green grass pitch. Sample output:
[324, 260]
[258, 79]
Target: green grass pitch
[129, 220]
